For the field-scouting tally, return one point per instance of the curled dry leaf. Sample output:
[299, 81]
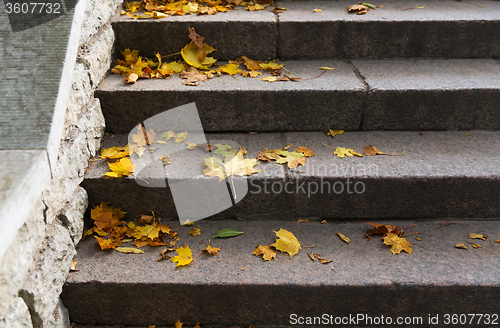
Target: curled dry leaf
[498, 240]
[344, 238]
[303, 221]
[129, 250]
[197, 39]
[166, 160]
[268, 252]
[191, 145]
[474, 245]
[325, 68]
[477, 236]
[317, 10]
[212, 250]
[131, 78]
[323, 222]
[382, 229]
[359, 9]
[312, 257]
[146, 219]
[321, 259]
[73, 266]
[460, 245]
[333, 133]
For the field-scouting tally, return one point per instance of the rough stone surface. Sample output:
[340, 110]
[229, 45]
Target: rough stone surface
[229, 103]
[436, 279]
[233, 34]
[431, 94]
[441, 174]
[36, 264]
[448, 29]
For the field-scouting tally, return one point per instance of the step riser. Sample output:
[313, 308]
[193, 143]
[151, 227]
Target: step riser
[312, 111]
[444, 29]
[341, 198]
[266, 305]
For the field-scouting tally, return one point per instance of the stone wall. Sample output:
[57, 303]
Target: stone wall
[35, 266]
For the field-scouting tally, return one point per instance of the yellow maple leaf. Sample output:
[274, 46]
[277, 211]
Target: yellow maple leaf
[232, 68]
[236, 166]
[293, 159]
[151, 231]
[212, 250]
[287, 243]
[398, 243]
[105, 217]
[267, 155]
[306, 151]
[272, 66]
[268, 253]
[114, 152]
[184, 257]
[121, 168]
[108, 243]
[196, 57]
[269, 79]
[341, 152]
[251, 74]
[195, 232]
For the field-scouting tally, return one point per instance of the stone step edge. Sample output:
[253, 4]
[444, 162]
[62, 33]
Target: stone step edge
[366, 271]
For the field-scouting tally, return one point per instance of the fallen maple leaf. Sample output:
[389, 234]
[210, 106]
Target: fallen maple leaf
[197, 57]
[372, 151]
[232, 68]
[195, 232]
[251, 74]
[108, 243]
[267, 252]
[287, 243]
[344, 238]
[250, 63]
[398, 243]
[292, 159]
[382, 229]
[114, 152]
[341, 152]
[212, 250]
[306, 151]
[477, 236]
[192, 75]
[184, 257]
[267, 155]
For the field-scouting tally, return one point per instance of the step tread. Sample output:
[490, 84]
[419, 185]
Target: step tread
[363, 269]
[411, 94]
[440, 174]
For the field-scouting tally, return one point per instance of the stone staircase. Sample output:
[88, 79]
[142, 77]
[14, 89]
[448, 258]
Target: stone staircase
[423, 81]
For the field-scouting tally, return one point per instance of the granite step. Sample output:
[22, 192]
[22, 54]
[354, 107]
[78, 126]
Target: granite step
[447, 29]
[441, 174]
[238, 289]
[404, 94]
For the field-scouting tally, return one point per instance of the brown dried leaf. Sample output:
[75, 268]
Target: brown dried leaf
[195, 232]
[192, 75]
[268, 252]
[477, 236]
[460, 245]
[372, 151]
[344, 238]
[212, 250]
[131, 78]
[322, 260]
[303, 221]
[197, 39]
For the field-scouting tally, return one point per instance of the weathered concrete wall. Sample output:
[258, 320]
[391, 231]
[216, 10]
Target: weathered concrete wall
[35, 266]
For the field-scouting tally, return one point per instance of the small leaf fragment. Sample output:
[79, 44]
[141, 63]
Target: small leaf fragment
[344, 238]
[460, 245]
[474, 245]
[225, 233]
[317, 10]
[73, 266]
[303, 221]
[321, 259]
[129, 250]
[212, 250]
[372, 151]
[326, 68]
[333, 133]
[312, 257]
[323, 222]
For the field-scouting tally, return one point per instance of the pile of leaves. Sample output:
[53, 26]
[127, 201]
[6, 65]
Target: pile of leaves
[391, 236]
[107, 224]
[195, 65]
[158, 9]
[282, 156]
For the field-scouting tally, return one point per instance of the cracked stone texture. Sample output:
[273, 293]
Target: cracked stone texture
[436, 278]
[228, 32]
[448, 29]
[431, 94]
[441, 174]
[230, 103]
